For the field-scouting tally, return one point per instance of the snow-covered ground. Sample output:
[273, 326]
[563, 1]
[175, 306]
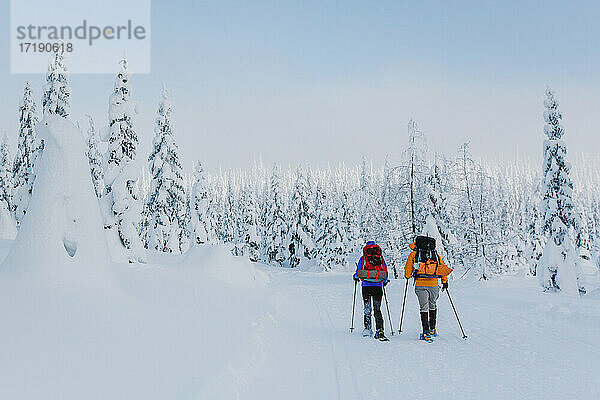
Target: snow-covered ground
[206, 325]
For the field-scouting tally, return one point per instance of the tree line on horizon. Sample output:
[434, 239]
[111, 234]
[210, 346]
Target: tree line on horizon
[492, 219]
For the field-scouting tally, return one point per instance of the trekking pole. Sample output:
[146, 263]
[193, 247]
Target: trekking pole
[353, 303]
[455, 313]
[403, 303]
[388, 311]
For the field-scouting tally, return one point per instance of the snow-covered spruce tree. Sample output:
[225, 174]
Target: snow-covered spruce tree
[122, 139]
[239, 245]
[332, 240]
[321, 215]
[57, 92]
[580, 226]
[229, 228]
[536, 242]
[275, 228]
[166, 218]
[593, 214]
[218, 206]
[203, 229]
[7, 221]
[301, 224]
[535, 237]
[121, 205]
[95, 159]
[29, 148]
[251, 236]
[559, 268]
[232, 231]
[350, 220]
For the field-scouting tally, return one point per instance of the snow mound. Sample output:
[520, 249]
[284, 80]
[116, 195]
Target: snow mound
[565, 263]
[216, 263]
[60, 242]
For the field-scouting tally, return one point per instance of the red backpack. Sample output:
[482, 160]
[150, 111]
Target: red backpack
[372, 267]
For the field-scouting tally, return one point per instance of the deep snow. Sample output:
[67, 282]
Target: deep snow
[60, 241]
[206, 325]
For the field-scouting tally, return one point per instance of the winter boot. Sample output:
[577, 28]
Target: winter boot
[425, 323]
[432, 319]
[425, 336]
[380, 335]
[367, 332]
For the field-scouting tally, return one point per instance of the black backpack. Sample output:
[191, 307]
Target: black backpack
[425, 249]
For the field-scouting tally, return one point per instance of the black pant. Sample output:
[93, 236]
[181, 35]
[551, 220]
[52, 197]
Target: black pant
[376, 293]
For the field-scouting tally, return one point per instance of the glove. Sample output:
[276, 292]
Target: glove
[355, 279]
[385, 284]
[444, 286]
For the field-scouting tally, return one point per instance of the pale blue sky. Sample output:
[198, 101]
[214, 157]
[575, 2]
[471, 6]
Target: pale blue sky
[323, 81]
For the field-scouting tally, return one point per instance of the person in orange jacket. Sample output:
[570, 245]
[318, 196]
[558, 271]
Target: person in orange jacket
[430, 269]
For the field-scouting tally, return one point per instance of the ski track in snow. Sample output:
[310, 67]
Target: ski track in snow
[223, 336]
[511, 352]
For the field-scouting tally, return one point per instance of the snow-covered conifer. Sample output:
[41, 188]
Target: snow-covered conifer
[251, 236]
[321, 211]
[7, 221]
[95, 159]
[203, 229]
[350, 216]
[122, 206]
[122, 138]
[559, 269]
[275, 228]
[332, 240]
[301, 224]
[219, 190]
[166, 217]
[229, 230]
[29, 148]
[233, 216]
[57, 92]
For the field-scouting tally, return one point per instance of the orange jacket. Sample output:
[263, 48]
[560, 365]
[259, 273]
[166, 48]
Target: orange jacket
[410, 267]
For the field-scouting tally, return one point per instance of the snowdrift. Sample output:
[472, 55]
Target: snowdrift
[176, 329]
[60, 242]
[216, 263]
